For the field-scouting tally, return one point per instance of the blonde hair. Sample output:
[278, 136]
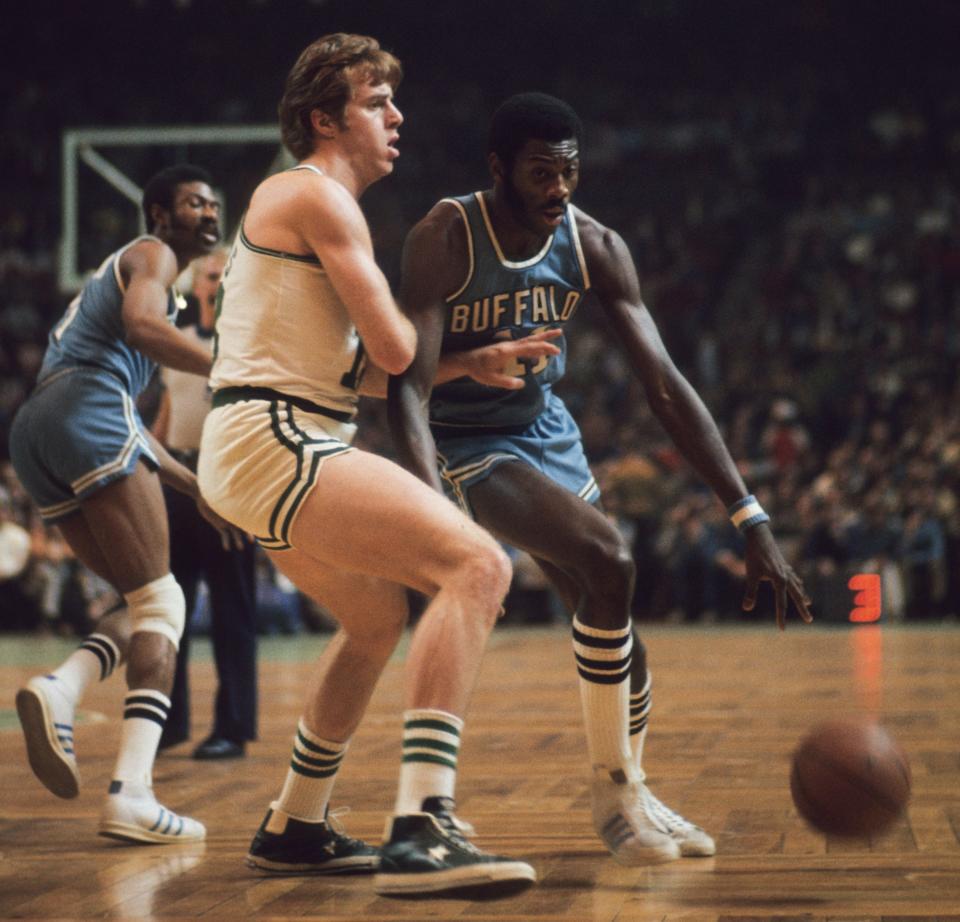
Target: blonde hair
[320, 79]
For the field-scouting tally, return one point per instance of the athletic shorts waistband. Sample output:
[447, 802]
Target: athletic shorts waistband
[227, 395]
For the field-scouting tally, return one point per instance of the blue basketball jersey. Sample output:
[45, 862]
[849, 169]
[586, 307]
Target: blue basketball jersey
[91, 332]
[508, 300]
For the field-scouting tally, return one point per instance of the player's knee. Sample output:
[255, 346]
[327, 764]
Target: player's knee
[609, 570]
[487, 572]
[159, 608]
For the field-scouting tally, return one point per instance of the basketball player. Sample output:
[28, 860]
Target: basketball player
[502, 264]
[307, 320]
[81, 451]
[196, 553]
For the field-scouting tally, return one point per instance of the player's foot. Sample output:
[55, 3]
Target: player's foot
[426, 854]
[694, 842]
[45, 709]
[624, 820]
[131, 813]
[285, 845]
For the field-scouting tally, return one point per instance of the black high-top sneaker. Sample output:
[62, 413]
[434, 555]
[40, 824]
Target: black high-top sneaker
[426, 854]
[285, 845]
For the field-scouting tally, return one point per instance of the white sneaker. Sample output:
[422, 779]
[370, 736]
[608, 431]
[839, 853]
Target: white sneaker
[46, 715]
[693, 841]
[623, 820]
[131, 813]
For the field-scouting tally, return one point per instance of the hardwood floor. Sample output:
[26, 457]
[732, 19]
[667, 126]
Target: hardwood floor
[729, 706]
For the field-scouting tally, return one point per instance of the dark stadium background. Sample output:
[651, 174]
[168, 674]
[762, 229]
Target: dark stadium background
[786, 175]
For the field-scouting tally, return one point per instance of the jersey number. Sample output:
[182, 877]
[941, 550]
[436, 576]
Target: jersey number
[517, 368]
[354, 376]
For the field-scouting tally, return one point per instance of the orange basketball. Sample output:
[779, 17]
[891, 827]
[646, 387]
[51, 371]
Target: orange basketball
[850, 778]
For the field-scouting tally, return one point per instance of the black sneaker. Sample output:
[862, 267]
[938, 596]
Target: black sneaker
[427, 855]
[285, 845]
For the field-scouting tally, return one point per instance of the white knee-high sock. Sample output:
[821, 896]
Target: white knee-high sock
[603, 662]
[641, 703]
[95, 659]
[145, 712]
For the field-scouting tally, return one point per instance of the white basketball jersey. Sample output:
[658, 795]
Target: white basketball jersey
[282, 325]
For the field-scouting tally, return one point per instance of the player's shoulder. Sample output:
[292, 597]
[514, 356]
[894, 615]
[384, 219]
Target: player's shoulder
[303, 190]
[442, 226]
[148, 256]
[596, 239]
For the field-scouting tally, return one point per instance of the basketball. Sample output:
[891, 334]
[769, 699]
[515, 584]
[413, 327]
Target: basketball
[850, 778]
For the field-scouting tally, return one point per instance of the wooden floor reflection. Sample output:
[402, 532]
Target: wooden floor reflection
[729, 705]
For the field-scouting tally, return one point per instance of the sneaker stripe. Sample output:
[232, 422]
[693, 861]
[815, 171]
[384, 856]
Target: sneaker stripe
[159, 820]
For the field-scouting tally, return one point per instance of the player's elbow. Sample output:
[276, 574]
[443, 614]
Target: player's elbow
[394, 361]
[394, 354]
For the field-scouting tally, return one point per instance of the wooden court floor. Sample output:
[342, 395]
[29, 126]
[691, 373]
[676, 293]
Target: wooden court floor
[729, 705]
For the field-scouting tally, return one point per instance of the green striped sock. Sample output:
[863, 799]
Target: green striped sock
[311, 776]
[428, 768]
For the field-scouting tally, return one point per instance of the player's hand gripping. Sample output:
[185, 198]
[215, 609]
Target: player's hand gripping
[488, 364]
[231, 537]
[765, 563]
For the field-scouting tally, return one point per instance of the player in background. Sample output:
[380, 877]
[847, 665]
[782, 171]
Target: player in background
[81, 450]
[196, 553]
[502, 264]
[306, 324]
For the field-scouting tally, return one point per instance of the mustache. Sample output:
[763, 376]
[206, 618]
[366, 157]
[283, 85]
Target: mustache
[555, 203]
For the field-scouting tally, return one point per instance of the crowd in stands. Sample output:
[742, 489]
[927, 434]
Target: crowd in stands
[798, 239]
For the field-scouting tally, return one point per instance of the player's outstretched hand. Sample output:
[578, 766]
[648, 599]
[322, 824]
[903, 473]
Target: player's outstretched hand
[765, 563]
[490, 364]
[231, 537]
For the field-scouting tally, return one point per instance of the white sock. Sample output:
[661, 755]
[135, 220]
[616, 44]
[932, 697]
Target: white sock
[311, 776]
[640, 705]
[603, 662]
[95, 659]
[144, 714]
[428, 768]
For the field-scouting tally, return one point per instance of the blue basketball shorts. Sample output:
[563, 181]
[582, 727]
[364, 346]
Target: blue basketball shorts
[550, 444]
[78, 431]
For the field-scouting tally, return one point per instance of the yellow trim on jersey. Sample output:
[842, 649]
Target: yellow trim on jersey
[121, 251]
[470, 259]
[575, 233]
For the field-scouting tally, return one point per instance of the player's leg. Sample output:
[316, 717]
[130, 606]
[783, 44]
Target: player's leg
[128, 522]
[640, 683]
[184, 527]
[390, 525]
[576, 542]
[233, 634]
[297, 835]
[46, 704]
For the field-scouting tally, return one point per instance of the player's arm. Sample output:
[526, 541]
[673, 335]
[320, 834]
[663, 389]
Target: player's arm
[486, 364]
[149, 269]
[434, 264]
[331, 223]
[161, 422]
[679, 408]
[174, 474]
